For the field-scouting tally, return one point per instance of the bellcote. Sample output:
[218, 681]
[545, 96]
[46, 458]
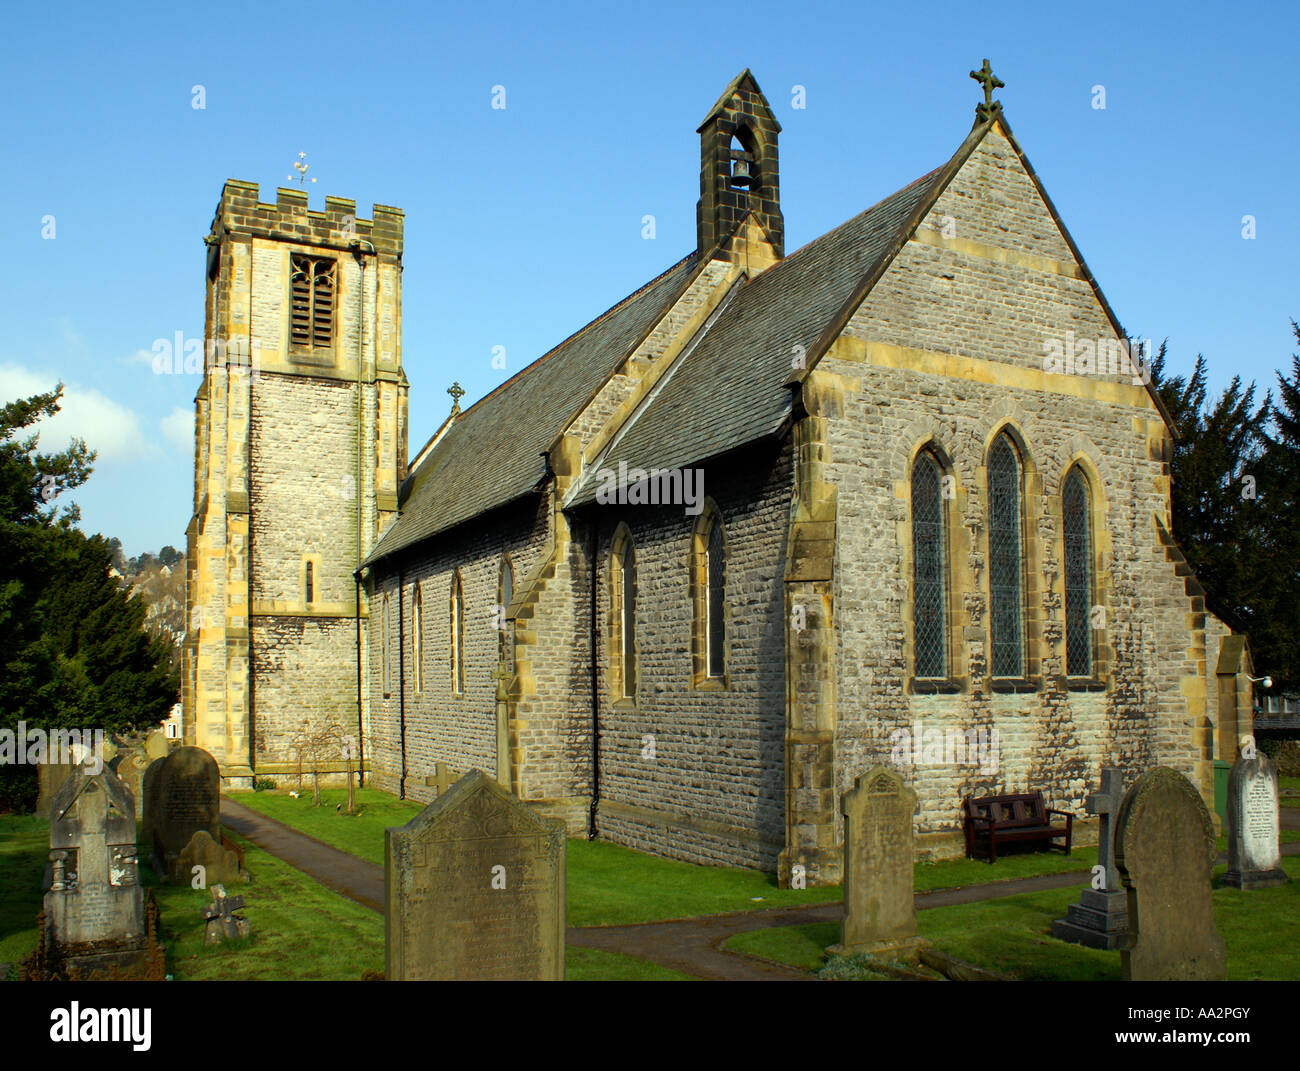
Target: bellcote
[739, 172]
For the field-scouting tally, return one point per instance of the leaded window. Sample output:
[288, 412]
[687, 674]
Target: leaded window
[417, 638]
[929, 569]
[457, 631]
[1006, 557]
[1077, 526]
[717, 588]
[624, 576]
[507, 594]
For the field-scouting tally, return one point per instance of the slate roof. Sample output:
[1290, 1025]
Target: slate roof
[492, 453]
[730, 389]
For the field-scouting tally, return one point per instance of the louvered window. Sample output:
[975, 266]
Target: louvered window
[1006, 554]
[1078, 574]
[929, 564]
[311, 324]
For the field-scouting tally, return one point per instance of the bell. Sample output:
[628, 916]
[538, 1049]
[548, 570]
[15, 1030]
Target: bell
[740, 175]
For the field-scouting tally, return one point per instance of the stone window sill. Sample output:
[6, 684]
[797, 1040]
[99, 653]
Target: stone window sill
[934, 686]
[1084, 684]
[624, 703]
[713, 684]
[1013, 684]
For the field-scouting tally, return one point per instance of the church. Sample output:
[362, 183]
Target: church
[771, 520]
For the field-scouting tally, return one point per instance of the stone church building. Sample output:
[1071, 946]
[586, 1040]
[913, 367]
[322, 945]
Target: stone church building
[896, 496]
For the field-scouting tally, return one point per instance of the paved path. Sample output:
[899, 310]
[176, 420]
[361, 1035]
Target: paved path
[690, 945]
[337, 870]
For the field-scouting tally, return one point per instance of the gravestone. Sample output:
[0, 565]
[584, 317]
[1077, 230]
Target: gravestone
[474, 886]
[156, 745]
[219, 862]
[130, 773]
[222, 924]
[1165, 850]
[879, 901]
[50, 777]
[186, 798]
[95, 920]
[149, 804]
[1100, 919]
[1254, 861]
[442, 779]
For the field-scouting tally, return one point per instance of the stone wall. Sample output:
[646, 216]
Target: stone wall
[714, 790]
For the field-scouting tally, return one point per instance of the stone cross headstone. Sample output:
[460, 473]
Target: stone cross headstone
[475, 889]
[1100, 919]
[1254, 861]
[443, 779]
[221, 922]
[1165, 851]
[187, 798]
[879, 900]
[130, 773]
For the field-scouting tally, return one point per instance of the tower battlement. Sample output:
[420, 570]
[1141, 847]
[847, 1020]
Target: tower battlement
[289, 219]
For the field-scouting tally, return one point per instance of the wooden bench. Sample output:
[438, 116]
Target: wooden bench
[1012, 818]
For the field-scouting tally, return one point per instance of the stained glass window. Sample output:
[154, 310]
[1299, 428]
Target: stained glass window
[929, 565]
[1078, 574]
[717, 586]
[1006, 555]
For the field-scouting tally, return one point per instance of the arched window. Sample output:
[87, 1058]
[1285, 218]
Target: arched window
[385, 624]
[505, 596]
[417, 637]
[1006, 557]
[1076, 523]
[623, 575]
[929, 568]
[744, 160]
[715, 600]
[309, 583]
[457, 635]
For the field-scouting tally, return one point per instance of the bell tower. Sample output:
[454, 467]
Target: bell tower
[739, 169]
[300, 447]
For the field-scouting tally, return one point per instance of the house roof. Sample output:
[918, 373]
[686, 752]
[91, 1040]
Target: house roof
[493, 453]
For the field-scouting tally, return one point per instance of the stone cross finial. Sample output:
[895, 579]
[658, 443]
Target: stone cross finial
[990, 82]
[443, 779]
[1105, 804]
[456, 392]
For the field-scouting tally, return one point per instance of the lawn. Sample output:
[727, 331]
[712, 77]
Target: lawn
[1292, 783]
[301, 930]
[1261, 930]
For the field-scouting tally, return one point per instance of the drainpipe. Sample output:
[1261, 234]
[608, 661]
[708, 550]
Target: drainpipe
[595, 688]
[361, 305]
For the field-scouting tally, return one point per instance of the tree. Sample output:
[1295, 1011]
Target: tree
[72, 647]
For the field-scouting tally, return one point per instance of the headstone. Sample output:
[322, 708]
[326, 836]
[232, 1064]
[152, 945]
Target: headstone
[50, 777]
[1100, 919]
[222, 924]
[879, 900]
[130, 773]
[187, 799]
[95, 922]
[1165, 850]
[475, 889]
[149, 804]
[1254, 861]
[156, 745]
[219, 863]
[442, 779]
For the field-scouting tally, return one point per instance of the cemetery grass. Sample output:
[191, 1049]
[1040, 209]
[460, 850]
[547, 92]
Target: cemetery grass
[1292, 783]
[610, 885]
[1013, 935]
[24, 846]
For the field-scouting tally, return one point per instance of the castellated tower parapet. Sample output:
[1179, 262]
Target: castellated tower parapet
[300, 447]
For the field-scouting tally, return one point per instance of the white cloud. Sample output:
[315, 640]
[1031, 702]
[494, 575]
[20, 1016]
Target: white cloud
[178, 428]
[139, 357]
[110, 429]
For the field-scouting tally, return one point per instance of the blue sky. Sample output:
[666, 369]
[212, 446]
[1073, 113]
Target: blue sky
[524, 223]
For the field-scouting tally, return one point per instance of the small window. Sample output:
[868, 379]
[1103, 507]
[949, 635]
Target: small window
[1077, 527]
[506, 652]
[417, 638]
[457, 636]
[312, 289]
[310, 583]
[716, 630]
[386, 647]
[623, 613]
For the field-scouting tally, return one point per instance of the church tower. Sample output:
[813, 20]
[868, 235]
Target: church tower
[300, 447]
[739, 167]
